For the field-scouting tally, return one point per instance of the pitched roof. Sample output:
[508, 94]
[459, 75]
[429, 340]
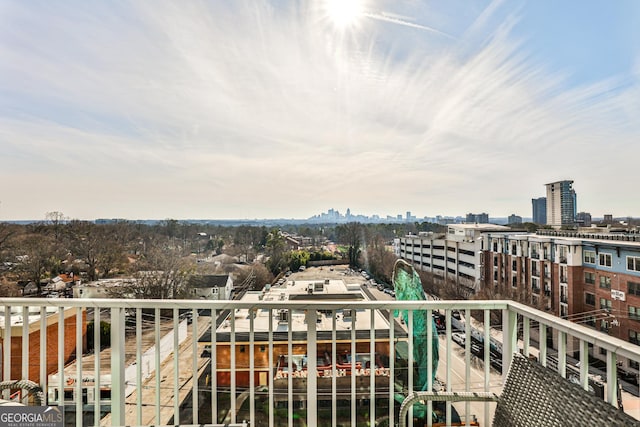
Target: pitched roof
[208, 281]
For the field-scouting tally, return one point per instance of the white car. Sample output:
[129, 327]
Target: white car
[458, 338]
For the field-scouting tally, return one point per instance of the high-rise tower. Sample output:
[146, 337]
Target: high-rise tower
[539, 207]
[561, 203]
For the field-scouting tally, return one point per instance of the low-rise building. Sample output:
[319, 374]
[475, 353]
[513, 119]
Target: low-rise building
[103, 288]
[31, 324]
[211, 286]
[289, 342]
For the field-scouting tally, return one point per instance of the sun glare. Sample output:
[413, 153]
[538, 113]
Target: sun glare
[344, 13]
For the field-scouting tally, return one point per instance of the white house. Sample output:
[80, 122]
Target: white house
[211, 286]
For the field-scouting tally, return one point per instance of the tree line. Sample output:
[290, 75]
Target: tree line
[162, 256]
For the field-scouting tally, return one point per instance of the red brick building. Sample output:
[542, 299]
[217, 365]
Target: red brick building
[34, 343]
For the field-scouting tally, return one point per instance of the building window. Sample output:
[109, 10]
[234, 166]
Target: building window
[605, 282]
[605, 304]
[589, 257]
[535, 284]
[590, 299]
[591, 321]
[604, 260]
[633, 263]
[633, 337]
[634, 313]
[534, 268]
[563, 254]
[634, 288]
[534, 250]
[589, 278]
[564, 311]
[634, 365]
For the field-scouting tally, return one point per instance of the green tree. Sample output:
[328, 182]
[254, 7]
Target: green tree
[297, 259]
[531, 227]
[276, 247]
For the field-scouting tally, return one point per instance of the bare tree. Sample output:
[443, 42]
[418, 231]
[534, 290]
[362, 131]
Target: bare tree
[8, 233]
[36, 255]
[162, 274]
[258, 273]
[98, 246]
[352, 235]
[8, 288]
[379, 259]
[55, 220]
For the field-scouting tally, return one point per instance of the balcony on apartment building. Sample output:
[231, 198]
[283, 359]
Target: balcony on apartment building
[272, 363]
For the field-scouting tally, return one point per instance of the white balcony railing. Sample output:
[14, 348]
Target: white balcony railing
[163, 366]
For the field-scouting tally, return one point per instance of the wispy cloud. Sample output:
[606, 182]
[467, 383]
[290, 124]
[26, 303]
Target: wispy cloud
[232, 107]
[403, 21]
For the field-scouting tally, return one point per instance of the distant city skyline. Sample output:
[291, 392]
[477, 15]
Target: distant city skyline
[260, 109]
[336, 216]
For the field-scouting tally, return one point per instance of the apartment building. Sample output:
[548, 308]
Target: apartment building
[591, 279]
[456, 254]
[561, 203]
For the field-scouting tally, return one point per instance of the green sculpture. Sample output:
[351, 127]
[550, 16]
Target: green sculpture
[408, 287]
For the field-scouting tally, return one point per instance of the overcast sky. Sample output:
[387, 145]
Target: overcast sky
[255, 109]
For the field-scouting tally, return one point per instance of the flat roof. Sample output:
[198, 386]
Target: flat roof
[301, 290]
[483, 226]
[17, 317]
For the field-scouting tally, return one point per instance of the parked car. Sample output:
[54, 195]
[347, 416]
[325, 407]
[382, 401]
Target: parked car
[458, 338]
[390, 292]
[207, 351]
[477, 349]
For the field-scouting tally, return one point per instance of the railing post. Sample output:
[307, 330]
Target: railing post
[312, 369]
[612, 378]
[562, 354]
[6, 352]
[117, 366]
[584, 364]
[509, 339]
[542, 329]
